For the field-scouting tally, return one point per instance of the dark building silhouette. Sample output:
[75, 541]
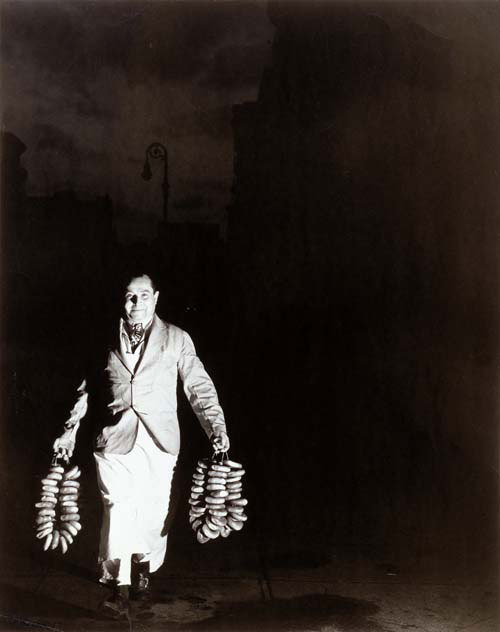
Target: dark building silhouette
[13, 174]
[13, 196]
[363, 238]
[191, 261]
[63, 251]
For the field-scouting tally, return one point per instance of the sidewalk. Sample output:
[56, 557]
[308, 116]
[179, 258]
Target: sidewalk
[338, 597]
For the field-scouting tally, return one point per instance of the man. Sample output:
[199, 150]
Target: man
[137, 439]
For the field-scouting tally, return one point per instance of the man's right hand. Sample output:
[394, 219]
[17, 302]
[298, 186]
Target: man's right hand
[64, 447]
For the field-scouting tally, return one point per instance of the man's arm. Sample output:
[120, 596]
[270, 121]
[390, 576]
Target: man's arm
[65, 444]
[202, 396]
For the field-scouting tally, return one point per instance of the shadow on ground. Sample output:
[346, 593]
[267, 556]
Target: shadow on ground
[192, 613]
[308, 612]
[23, 609]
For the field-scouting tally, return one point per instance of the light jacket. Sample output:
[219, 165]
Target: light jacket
[148, 394]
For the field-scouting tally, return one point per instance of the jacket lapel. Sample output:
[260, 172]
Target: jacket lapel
[154, 344]
[116, 353]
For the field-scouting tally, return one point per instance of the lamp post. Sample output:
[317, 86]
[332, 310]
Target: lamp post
[159, 152]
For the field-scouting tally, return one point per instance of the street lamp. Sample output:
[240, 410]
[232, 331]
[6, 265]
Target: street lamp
[159, 152]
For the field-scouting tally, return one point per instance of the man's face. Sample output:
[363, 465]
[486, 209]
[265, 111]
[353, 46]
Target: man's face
[140, 300]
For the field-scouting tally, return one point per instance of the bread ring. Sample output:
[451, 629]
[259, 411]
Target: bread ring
[210, 533]
[215, 511]
[214, 501]
[220, 468]
[238, 472]
[202, 539]
[233, 464]
[216, 481]
[234, 524]
[219, 493]
[225, 531]
[213, 473]
[239, 502]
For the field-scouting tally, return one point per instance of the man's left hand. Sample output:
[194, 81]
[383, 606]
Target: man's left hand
[220, 441]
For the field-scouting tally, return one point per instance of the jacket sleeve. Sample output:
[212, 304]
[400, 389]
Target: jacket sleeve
[77, 413]
[199, 388]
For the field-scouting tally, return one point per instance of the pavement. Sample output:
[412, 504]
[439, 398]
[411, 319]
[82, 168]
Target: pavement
[265, 578]
[202, 591]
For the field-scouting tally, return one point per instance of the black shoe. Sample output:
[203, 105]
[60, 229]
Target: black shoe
[141, 583]
[117, 606]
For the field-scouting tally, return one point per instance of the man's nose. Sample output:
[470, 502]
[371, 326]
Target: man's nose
[134, 300]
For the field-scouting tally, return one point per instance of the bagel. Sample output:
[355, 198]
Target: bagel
[233, 464]
[214, 501]
[70, 483]
[197, 523]
[209, 521]
[216, 480]
[210, 533]
[214, 473]
[238, 502]
[196, 503]
[49, 499]
[49, 489]
[220, 468]
[70, 517]
[237, 525]
[217, 511]
[238, 472]
[225, 531]
[219, 493]
[56, 476]
[202, 539]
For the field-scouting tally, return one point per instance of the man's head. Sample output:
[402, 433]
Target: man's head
[140, 299]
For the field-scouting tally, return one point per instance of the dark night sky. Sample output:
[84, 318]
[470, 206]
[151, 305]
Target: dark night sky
[88, 85]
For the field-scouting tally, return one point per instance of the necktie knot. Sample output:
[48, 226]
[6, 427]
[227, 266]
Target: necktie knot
[136, 334]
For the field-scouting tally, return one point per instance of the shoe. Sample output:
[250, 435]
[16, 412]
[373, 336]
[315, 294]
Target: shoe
[117, 606]
[141, 583]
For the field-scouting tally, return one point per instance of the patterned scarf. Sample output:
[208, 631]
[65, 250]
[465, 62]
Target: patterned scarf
[136, 334]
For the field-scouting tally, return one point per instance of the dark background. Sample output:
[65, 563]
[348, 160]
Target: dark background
[348, 312]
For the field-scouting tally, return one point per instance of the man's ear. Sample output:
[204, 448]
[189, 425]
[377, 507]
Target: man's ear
[156, 295]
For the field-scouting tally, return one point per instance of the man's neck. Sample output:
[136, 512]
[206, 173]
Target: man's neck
[129, 325]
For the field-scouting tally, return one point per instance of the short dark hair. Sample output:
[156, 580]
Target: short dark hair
[138, 275]
[131, 271]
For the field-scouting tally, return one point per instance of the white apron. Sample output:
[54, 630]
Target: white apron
[135, 490]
